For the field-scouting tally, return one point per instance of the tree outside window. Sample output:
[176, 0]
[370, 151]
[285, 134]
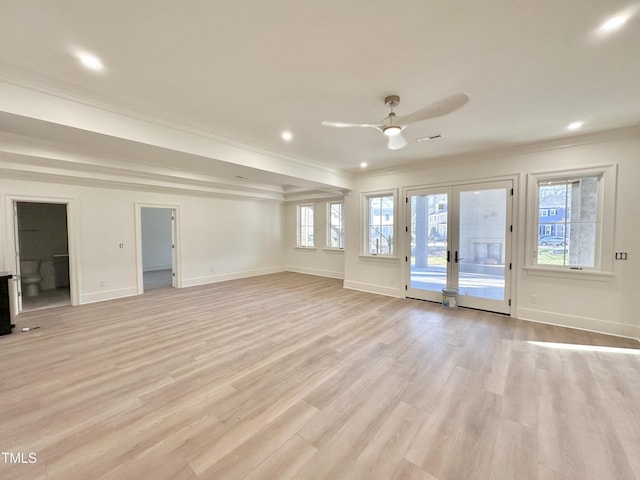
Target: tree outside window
[380, 225]
[335, 223]
[305, 225]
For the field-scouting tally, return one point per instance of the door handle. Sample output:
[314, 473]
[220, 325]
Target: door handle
[448, 256]
[456, 256]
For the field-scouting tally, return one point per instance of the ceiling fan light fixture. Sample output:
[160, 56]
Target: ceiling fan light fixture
[392, 130]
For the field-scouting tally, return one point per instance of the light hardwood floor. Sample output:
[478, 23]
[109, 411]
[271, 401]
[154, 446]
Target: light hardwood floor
[289, 376]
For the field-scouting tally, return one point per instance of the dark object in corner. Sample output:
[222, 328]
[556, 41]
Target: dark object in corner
[5, 305]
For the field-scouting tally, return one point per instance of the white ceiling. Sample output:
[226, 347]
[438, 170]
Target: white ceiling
[244, 71]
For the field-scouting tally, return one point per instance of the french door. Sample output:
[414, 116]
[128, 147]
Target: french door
[460, 237]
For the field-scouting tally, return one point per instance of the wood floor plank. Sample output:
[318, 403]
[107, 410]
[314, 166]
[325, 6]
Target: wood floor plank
[336, 457]
[435, 441]
[520, 398]
[384, 455]
[240, 461]
[409, 471]
[515, 454]
[290, 376]
[475, 440]
[286, 461]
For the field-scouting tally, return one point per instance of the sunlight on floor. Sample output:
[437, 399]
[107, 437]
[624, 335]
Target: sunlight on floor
[586, 348]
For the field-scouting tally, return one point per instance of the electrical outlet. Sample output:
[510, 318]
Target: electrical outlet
[534, 299]
[103, 283]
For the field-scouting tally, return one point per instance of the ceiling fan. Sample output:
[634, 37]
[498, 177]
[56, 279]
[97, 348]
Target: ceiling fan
[393, 125]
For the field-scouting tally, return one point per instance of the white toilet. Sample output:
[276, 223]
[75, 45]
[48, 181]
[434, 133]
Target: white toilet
[30, 277]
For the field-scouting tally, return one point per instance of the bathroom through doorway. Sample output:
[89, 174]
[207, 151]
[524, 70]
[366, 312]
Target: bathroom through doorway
[42, 255]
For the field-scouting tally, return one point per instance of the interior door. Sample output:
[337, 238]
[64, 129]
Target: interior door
[460, 237]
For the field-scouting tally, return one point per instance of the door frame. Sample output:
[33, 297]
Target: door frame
[176, 271]
[453, 188]
[12, 248]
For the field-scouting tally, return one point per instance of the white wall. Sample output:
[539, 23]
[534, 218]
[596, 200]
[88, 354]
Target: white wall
[609, 304]
[319, 260]
[218, 239]
[156, 239]
[225, 238]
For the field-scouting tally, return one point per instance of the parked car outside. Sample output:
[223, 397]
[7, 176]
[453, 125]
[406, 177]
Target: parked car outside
[552, 241]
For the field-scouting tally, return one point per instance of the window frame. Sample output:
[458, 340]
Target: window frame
[365, 224]
[299, 225]
[605, 222]
[330, 225]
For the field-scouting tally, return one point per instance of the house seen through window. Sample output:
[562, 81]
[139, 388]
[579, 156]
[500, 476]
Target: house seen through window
[568, 221]
[335, 224]
[305, 225]
[380, 224]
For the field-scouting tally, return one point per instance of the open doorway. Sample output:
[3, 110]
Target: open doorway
[42, 255]
[157, 234]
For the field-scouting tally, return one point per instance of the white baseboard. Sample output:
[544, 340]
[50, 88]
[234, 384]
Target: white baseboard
[580, 323]
[370, 288]
[314, 271]
[104, 295]
[223, 277]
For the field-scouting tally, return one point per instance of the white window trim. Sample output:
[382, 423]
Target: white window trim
[327, 238]
[298, 244]
[364, 224]
[606, 221]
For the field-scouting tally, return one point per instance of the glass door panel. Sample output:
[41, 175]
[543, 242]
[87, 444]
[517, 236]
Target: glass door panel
[428, 220]
[459, 237]
[482, 239]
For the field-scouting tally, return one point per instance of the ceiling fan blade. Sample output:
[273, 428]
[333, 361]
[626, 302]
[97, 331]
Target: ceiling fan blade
[436, 109]
[343, 125]
[396, 142]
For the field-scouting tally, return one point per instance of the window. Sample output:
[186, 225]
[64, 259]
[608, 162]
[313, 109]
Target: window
[335, 224]
[305, 225]
[380, 224]
[574, 225]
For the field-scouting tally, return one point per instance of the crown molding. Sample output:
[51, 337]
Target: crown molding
[511, 151]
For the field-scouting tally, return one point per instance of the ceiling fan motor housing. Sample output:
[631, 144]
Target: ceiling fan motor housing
[392, 100]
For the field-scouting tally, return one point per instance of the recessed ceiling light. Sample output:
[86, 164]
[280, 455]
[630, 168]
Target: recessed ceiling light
[287, 136]
[90, 61]
[363, 165]
[574, 125]
[613, 23]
